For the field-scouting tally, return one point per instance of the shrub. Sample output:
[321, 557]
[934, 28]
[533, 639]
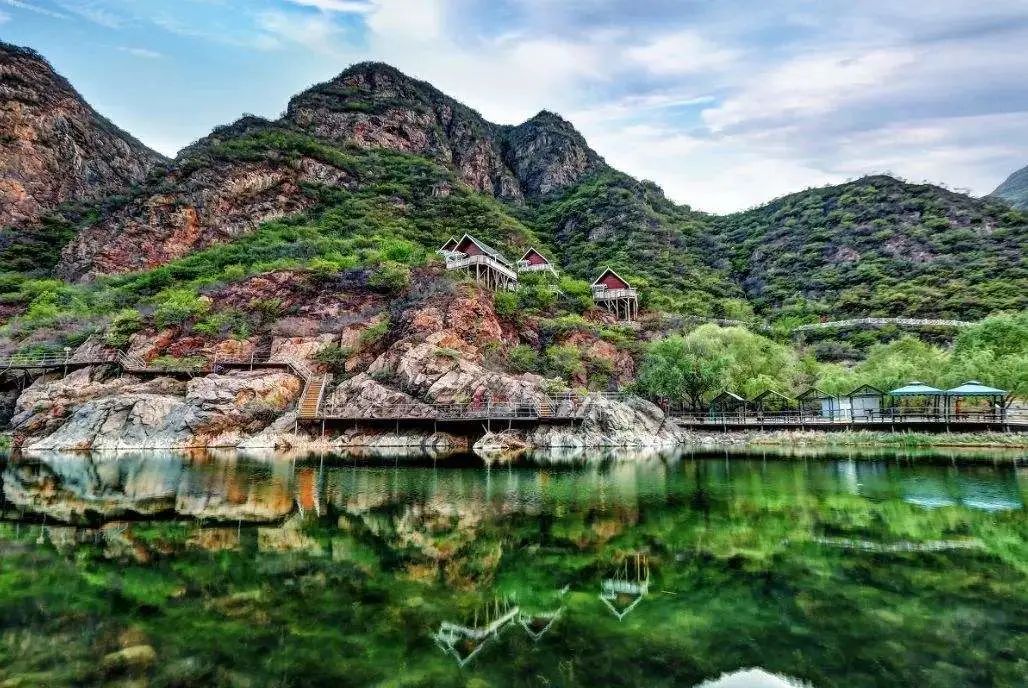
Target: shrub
[505, 304]
[390, 277]
[523, 359]
[125, 323]
[373, 334]
[333, 357]
[564, 361]
[175, 306]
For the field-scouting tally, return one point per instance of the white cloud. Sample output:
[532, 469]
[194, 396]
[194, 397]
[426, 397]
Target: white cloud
[35, 8]
[94, 12]
[683, 52]
[400, 20]
[316, 32]
[141, 52]
[4, 17]
[808, 85]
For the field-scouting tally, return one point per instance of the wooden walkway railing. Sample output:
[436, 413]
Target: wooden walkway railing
[905, 322]
[884, 419]
[565, 407]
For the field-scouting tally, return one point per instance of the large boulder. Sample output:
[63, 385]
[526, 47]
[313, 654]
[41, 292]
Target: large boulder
[90, 410]
[631, 422]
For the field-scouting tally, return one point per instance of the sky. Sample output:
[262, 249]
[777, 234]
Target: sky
[725, 104]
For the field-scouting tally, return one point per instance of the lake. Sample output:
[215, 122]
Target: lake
[675, 569]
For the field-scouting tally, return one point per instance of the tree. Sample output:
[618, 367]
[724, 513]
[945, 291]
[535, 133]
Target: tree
[678, 369]
[888, 366]
[994, 352]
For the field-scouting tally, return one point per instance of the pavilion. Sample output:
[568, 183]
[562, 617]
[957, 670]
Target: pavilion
[972, 389]
[727, 402]
[770, 401]
[933, 400]
[865, 401]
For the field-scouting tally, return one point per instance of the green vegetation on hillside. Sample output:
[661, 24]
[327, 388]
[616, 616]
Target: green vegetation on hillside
[401, 209]
[879, 246]
[665, 250]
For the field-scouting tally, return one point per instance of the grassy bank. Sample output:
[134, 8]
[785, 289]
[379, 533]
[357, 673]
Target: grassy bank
[906, 440]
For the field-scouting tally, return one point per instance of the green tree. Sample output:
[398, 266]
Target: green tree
[682, 368]
[994, 352]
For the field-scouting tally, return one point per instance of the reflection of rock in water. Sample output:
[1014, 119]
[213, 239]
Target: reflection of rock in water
[752, 678]
[80, 488]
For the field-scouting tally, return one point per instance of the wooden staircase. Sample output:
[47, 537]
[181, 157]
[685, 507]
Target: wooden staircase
[310, 399]
[545, 409]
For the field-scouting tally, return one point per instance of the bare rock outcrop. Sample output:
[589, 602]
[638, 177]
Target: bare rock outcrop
[193, 207]
[92, 410]
[54, 147]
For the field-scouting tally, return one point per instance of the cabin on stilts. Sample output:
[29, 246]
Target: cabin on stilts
[487, 265]
[615, 294]
[533, 261]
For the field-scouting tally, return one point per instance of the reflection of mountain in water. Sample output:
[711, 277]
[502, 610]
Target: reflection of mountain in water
[80, 488]
[754, 564]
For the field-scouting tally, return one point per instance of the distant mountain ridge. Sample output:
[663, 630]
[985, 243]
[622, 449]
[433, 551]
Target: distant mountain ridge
[412, 155]
[1014, 189]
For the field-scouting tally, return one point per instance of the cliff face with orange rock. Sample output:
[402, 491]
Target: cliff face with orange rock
[53, 146]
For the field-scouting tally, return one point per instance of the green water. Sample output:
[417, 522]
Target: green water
[743, 571]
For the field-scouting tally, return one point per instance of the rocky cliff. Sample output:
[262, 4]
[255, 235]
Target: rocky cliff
[253, 171]
[53, 146]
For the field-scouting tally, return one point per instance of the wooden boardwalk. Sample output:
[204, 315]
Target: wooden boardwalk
[557, 409]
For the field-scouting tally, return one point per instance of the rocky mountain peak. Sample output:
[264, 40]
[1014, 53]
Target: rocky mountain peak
[375, 105]
[548, 154]
[53, 146]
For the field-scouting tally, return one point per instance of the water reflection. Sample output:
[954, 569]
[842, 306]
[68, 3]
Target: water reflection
[659, 569]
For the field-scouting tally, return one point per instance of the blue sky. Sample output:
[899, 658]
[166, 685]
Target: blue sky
[725, 104]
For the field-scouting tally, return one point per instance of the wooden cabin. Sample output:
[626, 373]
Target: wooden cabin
[488, 266]
[614, 293]
[533, 261]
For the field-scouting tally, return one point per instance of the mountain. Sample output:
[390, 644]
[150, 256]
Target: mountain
[1014, 189]
[374, 132]
[332, 136]
[53, 146]
[374, 155]
[879, 246]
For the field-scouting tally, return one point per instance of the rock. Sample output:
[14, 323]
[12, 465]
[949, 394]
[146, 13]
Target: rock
[55, 147]
[632, 422]
[89, 411]
[136, 658]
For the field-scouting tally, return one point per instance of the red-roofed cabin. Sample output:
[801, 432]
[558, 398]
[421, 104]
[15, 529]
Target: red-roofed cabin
[488, 265]
[611, 280]
[533, 261]
[614, 292]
